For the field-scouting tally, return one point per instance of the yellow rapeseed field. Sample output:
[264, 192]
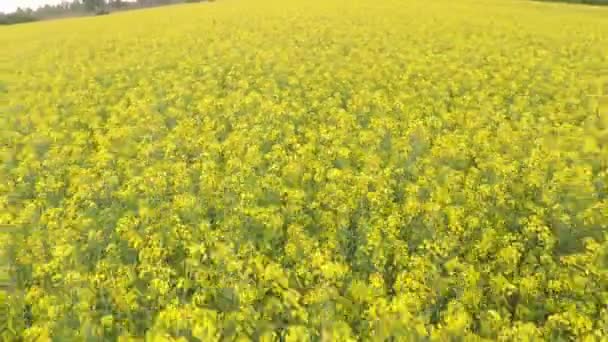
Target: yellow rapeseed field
[307, 170]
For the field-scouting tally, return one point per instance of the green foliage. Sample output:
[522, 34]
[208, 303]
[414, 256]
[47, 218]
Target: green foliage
[96, 6]
[585, 2]
[16, 18]
[305, 170]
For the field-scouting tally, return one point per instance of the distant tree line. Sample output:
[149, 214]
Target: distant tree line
[16, 18]
[79, 8]
[586, 2]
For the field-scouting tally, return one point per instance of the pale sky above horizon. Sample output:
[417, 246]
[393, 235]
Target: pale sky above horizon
[8, 6]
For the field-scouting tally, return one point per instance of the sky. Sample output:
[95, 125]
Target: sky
[7, 6]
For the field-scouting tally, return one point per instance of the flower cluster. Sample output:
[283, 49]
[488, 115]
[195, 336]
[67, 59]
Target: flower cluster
[307, 170]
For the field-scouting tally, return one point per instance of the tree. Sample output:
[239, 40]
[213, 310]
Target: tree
[76, 5]
[94, 5]
[117, 4]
